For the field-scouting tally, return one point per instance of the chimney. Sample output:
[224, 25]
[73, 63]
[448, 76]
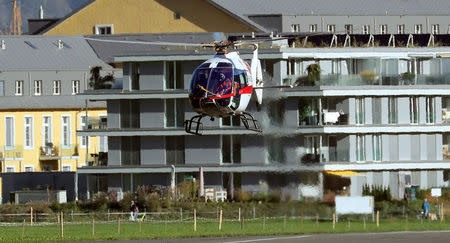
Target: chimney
[3, 45]
[60, 44]
[41, 12]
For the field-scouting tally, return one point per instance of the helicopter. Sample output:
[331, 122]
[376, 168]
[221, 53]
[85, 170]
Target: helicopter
[223, 85]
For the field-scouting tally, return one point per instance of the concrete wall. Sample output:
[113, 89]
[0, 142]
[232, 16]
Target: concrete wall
[203, 150]
[153, 151]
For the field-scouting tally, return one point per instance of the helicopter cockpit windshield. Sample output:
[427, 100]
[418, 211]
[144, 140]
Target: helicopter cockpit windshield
[216, 82]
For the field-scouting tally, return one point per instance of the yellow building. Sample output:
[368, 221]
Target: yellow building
[149, 16]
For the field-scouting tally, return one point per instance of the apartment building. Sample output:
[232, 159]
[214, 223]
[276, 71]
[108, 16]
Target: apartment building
[39, 112]
[376, 116]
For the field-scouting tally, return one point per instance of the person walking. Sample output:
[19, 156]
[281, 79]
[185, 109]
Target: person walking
[133, 211]
[425, 208]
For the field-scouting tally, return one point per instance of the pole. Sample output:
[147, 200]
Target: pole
[378, 218]
[93, 226]
[254, 212]
[242, 223]
[62, 224]
[140, 226]
[220, 220]
[284, 222]
[118, 225]
[31, 216]
[334, 221]
[195, 220]
[181, 214]
[264, 222]
[239, 216]
[23, 228]
[364, 222]
[317, 219]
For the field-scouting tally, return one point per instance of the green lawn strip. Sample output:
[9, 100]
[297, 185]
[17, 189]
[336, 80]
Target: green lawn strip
[129, 230]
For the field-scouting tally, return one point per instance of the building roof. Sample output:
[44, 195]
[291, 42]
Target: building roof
[44, 102]
[42, 53]
[236, 15]
[336, 7]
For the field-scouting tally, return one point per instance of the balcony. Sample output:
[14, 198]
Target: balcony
[55, 152]
[8, 152]
[97, 123]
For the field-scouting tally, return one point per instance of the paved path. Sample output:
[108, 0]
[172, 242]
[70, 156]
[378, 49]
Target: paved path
[406, 237]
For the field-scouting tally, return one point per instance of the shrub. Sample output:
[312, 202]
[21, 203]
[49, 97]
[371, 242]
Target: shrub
[367, 75]
[242, 196]
[313, 72]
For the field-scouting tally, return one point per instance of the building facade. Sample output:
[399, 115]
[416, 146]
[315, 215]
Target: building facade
[39, 112]
[379, 111]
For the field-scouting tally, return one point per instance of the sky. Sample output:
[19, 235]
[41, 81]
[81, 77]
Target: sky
[30, 10]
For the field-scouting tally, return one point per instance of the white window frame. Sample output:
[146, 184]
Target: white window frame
[365, 29]
[75, 87]
[231, 148]
[401, 29]
[383, 29]
[65, 166]
[56, 87]
[31, 130]
[100, 26]
[84, 140]
[360, 145]
[19, 87]
[13, 134]
[295, 28]
[392, 101]
[413, 109]
[360, 104]
[377, 137]
[292, 66]
[331, 28]
[313, 28]
[25, 167]
[348, 28]
[309, 144]
[418, 29]
[50, 129]
[69, 132]
[430, 119]
[435, 29]
[102, 139]
[8, 167]
[37, 87]
[175, 114]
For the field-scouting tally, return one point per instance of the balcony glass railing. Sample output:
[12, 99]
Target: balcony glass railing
[94, 123]
[359, 80]
[51, 150]
[11, 152]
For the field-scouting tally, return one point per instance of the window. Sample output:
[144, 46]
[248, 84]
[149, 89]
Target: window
[313, 28]
[383, 29]
[175, 150]
[295, 28]
[19, 87]
[292, 66]
[75, 86]
[366, 29]
[104, 29]
[103, 143]
[435, 29]
[173, 75]
[176, 15]
[29, 168]
[360, 148]
[231, 121]
[418, 29]
[47, 129]
[348, 29]
[231, 149]
[174, 113]
[392, 110]
[65, 131]
[414, 110]
[2, 85]
[56, 87]
[376, 147]
[37, 87]
[359, 111]
[275, 150]
[312, 145]
[9, 131]
[135, 75]
[28, 132]
[83, 126]
[66, 167]
[401, 29]
[10, 169]
[331, 28]
[429, 102]
[130, 116]
[448, 32]
[130, 150]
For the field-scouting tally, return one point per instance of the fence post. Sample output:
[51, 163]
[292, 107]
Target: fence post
[348, 223]
[239, 216]
[406, 218]
[264, 222]
[23, 228]
[93, 226]
[195, 220]
[254, 212]
[378, 218]
[334, 221]
[242, 222]
[31, 215]
[220, 220]
[107, 214]
[217, 212]
[442, 212]
[118, 225]
[284, 222]
[364, 221]
[71, 215]
[62, 224]
[317, 219]
[140, 226]
[181, 214]
[390, 221]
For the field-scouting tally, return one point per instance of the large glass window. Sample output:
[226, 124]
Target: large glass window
[383, 29]
[400, 29]
[435, 29]
[313, 28]
[37, 87]
[376, 147]
[275, 150]
[359, 111]
[28, 132]
[135, 75]
[418, 29]
[392, 110]
[9, 131]
[83, 126]
[331, 28]
[231, 149]
[65, 129]
[47, 129]
[130, 114]
[360, 148]
[414, 110]
[430, 107]
[175, 150]
[131, 150]
[348, 29]
[366, 29]
[173, 75]
[174, 113]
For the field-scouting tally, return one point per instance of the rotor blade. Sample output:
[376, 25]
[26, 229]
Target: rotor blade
[160, 43]
[275, 87]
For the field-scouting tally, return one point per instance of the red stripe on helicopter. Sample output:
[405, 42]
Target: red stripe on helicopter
[246, 90]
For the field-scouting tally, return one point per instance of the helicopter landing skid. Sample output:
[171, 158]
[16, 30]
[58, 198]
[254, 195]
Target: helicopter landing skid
[198, 126]
[250, 122]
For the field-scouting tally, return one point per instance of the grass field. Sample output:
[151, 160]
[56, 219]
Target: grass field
[130, 230]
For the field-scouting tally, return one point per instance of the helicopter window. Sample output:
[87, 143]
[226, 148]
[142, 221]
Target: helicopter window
[205, 65]
[241, 77]
[199, 78]
[224, 65]
[220, 82]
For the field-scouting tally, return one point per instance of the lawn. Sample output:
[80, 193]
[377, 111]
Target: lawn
[151, 230]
